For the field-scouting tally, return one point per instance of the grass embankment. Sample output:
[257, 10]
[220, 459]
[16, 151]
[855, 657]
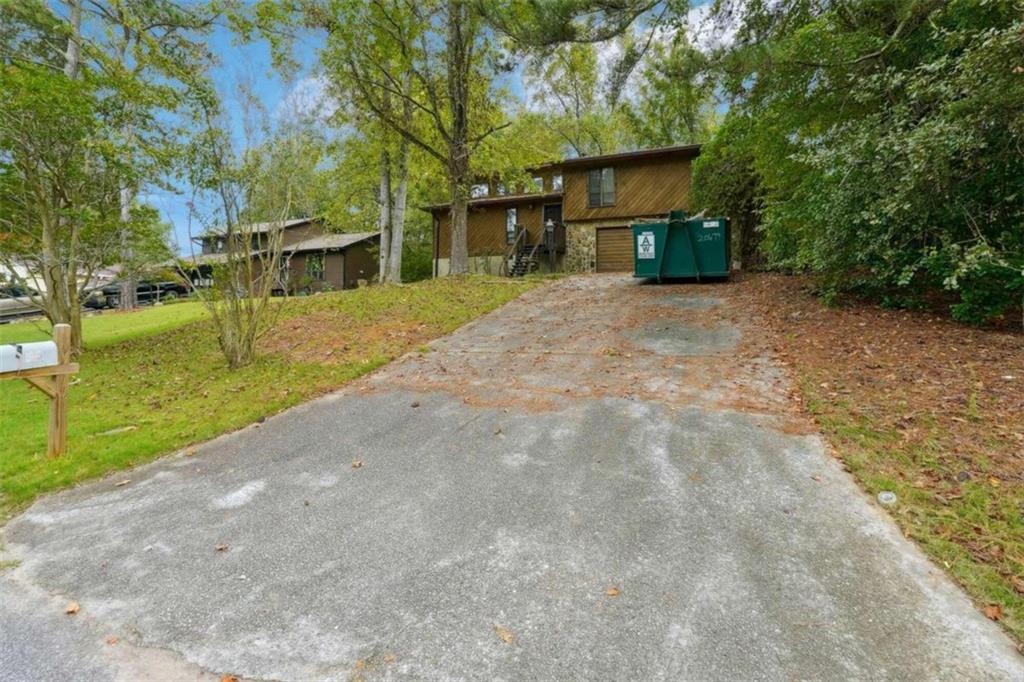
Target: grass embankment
[106, 327]
[154, 381]
[926, 408]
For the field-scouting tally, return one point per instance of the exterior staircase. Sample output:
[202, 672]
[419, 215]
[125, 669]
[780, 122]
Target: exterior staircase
[523, 264]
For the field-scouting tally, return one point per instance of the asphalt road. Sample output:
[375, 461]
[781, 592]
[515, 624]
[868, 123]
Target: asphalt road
[600, 480]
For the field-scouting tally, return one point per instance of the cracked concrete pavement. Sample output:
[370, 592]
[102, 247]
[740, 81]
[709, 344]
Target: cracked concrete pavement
[600, 480]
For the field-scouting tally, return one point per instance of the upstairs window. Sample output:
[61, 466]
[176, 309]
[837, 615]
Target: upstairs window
[556, 182]
[479, 191]
[510, 224]
[538, 184]
[601, 187]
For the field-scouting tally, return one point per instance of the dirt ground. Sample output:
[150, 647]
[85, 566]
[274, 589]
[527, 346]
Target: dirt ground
[917, 401]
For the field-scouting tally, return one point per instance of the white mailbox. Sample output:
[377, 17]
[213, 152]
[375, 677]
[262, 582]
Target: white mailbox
[15, 357]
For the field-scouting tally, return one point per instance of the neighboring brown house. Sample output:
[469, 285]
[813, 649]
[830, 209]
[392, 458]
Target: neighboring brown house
[590, 203]
[312, 259]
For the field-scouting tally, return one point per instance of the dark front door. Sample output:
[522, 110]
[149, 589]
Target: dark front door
[552, 212]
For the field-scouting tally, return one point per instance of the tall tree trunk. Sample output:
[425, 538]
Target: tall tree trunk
[459, 257]
[457, 52]
[62, 305]
[73, 53]
[129, 278]
[402, 190]
[398, 215]
[384, 219]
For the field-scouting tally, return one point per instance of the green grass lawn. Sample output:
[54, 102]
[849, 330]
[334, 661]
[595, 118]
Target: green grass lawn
[154, 381]
[111, 326]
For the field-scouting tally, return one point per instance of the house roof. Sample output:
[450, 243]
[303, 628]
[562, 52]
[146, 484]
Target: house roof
[690, 150]
[326, 242]
[260, 228]
[687, 150]
[499, 200]
[329, 242]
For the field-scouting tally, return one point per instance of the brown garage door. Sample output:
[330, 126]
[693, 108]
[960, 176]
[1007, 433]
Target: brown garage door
[614, 249]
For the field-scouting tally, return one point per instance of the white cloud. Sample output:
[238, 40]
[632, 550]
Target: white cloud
[308, 99]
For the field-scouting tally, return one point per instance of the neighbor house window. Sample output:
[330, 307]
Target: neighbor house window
[538, 184]
[601, 186]
[510, 224]
[556, 182]
[315, 266]
[479, 191]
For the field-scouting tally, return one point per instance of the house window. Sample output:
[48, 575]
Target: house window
[479, 191]
[601, 187]
[510, 224]
[538, 184]
[315, 266]
[556, 182]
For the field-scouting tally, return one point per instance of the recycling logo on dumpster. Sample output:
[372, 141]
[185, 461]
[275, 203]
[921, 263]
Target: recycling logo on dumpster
[645, 245]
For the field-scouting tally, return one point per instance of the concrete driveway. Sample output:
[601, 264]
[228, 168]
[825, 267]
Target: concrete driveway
[601, 480]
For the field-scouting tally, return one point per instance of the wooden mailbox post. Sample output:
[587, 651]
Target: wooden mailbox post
[50, 372]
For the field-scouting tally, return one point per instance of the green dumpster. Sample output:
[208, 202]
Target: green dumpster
[681, 248]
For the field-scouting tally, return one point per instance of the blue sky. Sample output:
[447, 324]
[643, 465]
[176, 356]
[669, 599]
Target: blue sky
[247, 64]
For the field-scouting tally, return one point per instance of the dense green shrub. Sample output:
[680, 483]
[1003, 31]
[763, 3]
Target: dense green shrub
[886, 138]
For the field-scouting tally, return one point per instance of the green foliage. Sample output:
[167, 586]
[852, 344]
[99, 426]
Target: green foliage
[675, 103]
[886, 138]
[725, 183]
[417, 260]
[577, 106]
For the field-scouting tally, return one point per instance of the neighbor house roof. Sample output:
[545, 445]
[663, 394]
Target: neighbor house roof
[326, 242]
[259, 228]
[330, 242]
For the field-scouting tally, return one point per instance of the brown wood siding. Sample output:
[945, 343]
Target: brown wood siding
[296, 234]
[614, 249]
[485, 231]
[360, 263]
[648, 187]
[334, 269]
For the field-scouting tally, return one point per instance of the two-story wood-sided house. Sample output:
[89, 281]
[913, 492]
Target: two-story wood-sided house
[312, 258]
[576, 219]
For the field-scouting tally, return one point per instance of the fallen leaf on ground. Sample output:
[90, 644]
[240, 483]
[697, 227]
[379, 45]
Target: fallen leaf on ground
[994, 482]
[415, 403]
[112, 639]
[993, 611]
[121, 483]
[229, 678]
[356, 463]
[816, 477]
[612, 592]
[1018, 583]
[505, 634]
[72, 608]
[191, 452]
[221, 547]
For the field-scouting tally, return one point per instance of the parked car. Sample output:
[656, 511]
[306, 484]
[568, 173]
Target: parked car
[145, 292]
[16, 301]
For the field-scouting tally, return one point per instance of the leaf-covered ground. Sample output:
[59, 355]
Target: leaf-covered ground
[167, 387]
[932, 410]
